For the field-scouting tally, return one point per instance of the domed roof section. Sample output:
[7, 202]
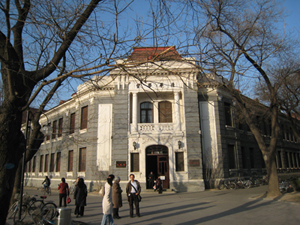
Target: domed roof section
[143, 54]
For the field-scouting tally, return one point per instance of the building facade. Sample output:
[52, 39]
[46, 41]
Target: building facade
[150, 117]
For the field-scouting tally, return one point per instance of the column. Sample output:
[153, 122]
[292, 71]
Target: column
[134, 112]
[177, 111]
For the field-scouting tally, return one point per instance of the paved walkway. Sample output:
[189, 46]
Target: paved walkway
[209, 207]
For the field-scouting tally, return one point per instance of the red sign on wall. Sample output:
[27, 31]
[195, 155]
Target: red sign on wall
[121, 164]
[194, 162]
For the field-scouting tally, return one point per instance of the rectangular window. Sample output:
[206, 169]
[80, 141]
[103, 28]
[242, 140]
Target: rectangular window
[135, 162]
[252, 157]
[244, 158]
[60, 125]
[165, 112]
[82, 159]
[231, 157]
[228, 119]
[58, 155]
[70, 161]
[52, 162]
[54, 129]
[48, 136]
[72, 123]
[84, 117]
[29, 166]
[179, 161]
[46, 163]
[279, 160]
[33, 164]
[41, 163]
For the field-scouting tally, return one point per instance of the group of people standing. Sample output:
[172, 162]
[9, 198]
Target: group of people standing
[112, 199]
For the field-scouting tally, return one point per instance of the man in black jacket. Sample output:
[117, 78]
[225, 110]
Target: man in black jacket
[133, 189]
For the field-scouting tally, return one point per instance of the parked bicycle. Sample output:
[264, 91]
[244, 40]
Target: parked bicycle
[41, 211]
[227, 184]
[13, 212]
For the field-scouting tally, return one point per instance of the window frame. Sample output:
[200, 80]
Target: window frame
[228, 114]
[82, 159]
[84, 118]
[147, 111]
[60, 127]
[134, 162]
[58, 161]
[70, 162]
[179, 161]
[72, 123]
[165, 114]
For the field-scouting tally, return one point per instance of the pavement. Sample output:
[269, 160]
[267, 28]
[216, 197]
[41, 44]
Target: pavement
[241, 206]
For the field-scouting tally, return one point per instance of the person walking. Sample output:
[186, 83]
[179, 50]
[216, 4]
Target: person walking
[80, 195]
[117, 197]
[151, 179]
[133, 189]
[158, 184]
[107, 202]
[63, 188]
[46, 183]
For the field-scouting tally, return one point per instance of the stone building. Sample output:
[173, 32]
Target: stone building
[151, 116]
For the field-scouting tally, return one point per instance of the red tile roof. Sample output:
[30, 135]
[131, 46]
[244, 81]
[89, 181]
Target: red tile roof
[154, 53]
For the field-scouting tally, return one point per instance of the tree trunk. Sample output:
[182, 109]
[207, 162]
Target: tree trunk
[12, 145]
[273, 188]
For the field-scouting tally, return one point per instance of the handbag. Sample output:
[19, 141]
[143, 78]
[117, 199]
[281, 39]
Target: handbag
[69, 200]
[139, 197]
[102, 191]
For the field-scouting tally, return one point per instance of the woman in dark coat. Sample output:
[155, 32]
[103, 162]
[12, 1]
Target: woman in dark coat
[116, 197]
[80, 197]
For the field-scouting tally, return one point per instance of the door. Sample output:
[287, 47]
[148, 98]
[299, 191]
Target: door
[163, 169]
[157, 161]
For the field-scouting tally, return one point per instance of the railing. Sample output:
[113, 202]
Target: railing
[155, 127]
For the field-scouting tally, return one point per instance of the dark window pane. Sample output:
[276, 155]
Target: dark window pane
[46, 163]
[72, 123]
[231, 157]
[60, 125]
[135, 162]
[41, 163]
[58, 155]
[82, 159]
[84, 117]
[70, 161]
[54, 129]
[52, 162]
[34, 164]
[228, 119]
[179, 161]
[165, 112]
[146, 112]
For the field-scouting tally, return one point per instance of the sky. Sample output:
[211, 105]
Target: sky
[292, 24]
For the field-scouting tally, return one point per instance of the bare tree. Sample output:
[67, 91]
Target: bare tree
[42, 45]
[239, 40]
[287, 75]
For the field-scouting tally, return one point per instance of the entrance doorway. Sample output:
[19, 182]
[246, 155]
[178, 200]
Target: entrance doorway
[157, 161]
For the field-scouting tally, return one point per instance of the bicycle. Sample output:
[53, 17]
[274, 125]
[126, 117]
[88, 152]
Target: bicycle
[46, 190]
[13, 212]
[227, 184]
[42, 212]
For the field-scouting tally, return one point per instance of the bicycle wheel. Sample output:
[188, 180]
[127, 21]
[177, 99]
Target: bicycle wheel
[49, 211]
[221, 186]
[35, 207]
[12, 210]
[232, 186]
[23, 213]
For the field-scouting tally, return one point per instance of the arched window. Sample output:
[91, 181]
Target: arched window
[165, 112]
[146, 112]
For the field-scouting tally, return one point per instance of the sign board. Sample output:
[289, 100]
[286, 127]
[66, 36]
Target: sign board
[194, 162]
[121, 164]
[162, 177]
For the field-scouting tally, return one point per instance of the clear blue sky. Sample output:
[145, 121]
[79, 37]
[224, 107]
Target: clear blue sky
[293, 15]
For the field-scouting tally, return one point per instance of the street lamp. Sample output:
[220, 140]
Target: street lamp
[44, 130]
